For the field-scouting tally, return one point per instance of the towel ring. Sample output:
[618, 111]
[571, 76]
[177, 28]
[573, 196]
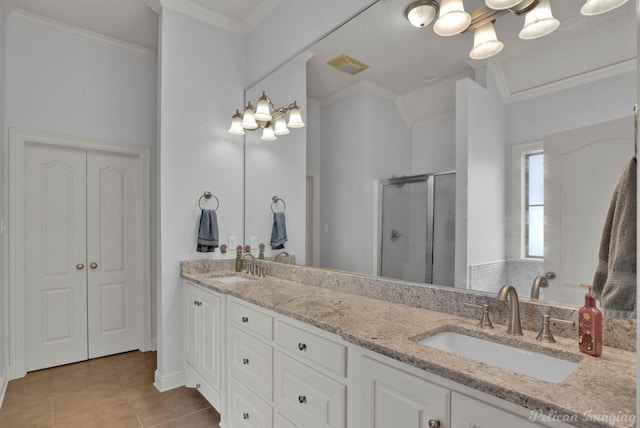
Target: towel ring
[274, 202]
[209, 195]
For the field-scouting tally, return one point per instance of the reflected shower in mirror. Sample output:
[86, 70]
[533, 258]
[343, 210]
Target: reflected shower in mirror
[422, 105]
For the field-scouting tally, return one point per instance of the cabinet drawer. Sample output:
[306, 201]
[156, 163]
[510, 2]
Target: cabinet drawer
[308, 397]
[250, 319]
[324, 352]
[246, 409]
[252, 362]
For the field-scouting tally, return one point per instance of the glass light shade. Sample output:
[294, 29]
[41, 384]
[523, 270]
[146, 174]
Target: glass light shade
[295, 117]
[421, 13]
[596, 7]
[281, 126]
[485, 42]
[236, 124]
[502, 4]
[267, 134]
[539, 22]
[263, 109]
[453, 18]
[248, 118]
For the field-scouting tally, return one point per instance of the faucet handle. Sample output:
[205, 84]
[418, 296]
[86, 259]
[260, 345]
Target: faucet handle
[485, 322]
[545, 331]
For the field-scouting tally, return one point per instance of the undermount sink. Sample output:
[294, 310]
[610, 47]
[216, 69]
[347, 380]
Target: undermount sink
[534, 364]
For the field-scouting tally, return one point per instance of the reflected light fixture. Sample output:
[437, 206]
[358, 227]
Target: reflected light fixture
[596, 7]
[485, 42]
[453, 19]
[265, 116]
[421, 13]
[539, 22]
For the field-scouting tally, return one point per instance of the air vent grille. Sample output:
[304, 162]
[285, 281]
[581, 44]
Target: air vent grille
[347, 64]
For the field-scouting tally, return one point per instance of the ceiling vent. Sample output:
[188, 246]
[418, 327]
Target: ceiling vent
[347, 64]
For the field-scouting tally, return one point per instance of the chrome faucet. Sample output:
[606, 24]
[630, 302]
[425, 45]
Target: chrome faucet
[281, 253]
[253, 263]
[538, 283]
[508, 293]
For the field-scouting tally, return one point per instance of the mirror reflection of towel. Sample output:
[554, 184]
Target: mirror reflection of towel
[208, 232]
[278, 232]
[614, 282]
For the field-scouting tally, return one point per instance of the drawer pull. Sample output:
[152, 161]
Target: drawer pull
[245, 319]
[434, 423]
[245, 361]
[245, 416]
[197, 386]
[302, 399]
[302, 346]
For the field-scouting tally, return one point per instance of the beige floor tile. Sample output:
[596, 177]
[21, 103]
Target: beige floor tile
[88, 398]
[158, 409]
[207, 418]
[139, 386]
[27, 415]
[120, 416]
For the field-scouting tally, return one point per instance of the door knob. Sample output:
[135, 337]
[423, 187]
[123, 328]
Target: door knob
[79, 266]
[93, 265]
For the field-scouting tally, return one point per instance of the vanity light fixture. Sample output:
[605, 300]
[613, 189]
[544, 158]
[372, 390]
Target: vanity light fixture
[421, 13]
[596, 7]
[265, 116]
[453, 19]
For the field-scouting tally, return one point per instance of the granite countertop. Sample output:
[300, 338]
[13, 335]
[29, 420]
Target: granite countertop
[599, 392]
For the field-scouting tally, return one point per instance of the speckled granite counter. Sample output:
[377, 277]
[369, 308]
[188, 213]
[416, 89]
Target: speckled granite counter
[599, 392]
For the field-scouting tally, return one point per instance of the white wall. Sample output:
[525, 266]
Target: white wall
[4, 313]
[434, 147]
[363, 137]
[201, 69]
[481, 177]
[62, 84]
[277, 168]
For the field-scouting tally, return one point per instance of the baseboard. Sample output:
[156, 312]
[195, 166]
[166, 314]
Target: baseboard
[153, 346]
[4, 383]
[171, 381]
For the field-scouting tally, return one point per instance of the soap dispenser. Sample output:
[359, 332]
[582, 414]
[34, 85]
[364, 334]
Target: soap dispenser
[590, 326]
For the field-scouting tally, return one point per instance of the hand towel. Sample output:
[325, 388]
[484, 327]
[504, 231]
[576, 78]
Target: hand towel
[208, 232]
[278, 231]
[614, 282]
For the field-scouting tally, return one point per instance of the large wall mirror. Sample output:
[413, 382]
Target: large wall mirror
[429, 166]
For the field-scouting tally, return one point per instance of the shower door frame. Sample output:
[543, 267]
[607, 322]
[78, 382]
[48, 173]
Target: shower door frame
[430, 181]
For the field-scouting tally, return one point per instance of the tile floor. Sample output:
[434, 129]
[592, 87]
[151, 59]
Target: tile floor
[114, 392]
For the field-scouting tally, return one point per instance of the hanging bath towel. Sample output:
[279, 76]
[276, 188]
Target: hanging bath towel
[278, 232]
[614, 282]
[208, 232]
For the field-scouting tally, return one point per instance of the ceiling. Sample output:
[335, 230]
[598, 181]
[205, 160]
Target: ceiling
[407, 64]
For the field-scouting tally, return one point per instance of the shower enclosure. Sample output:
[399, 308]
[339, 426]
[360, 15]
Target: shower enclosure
[417, 228]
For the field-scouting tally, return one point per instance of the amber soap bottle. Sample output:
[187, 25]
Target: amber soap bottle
[590, 326]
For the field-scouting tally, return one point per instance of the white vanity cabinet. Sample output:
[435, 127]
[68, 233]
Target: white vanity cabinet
[250, 361]
[468, 412]
[203, 331]
[310, 383]
[390, 396]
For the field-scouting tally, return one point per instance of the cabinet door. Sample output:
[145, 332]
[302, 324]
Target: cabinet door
[190, 299]
[467, 412]
[246, 409]
[210, 350]
[394, 398]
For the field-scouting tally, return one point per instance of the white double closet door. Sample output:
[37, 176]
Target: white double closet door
[83, 281]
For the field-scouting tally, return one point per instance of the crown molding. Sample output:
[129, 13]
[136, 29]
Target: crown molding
[363, 85]
[203, 14]
[605, 72]
[153, 4]
[257, 15]
[404, 112]
[8, 6]
[48, 24]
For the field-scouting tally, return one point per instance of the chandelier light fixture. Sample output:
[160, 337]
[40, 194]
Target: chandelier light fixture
[265, 116]
[453, 19]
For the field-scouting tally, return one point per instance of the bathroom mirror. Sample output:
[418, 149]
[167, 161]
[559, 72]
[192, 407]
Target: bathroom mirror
[424, 107]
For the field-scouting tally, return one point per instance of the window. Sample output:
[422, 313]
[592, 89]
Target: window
[534, 205]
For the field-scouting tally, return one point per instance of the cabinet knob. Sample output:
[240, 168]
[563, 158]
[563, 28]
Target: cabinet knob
[197, 386]
[245, 361]
[245, 320]
[93, 265]
[302, 346]
[245, 416]
[434, 423]
[79, 266]
[302, 399]
[195, 303]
